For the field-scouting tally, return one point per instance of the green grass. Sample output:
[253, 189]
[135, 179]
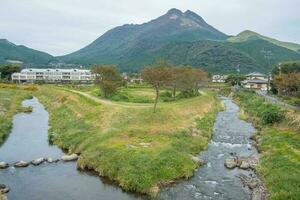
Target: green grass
[280, 148]
[280, 164]
[10, 104]
[110, 137]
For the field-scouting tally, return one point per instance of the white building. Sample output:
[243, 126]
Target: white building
[53, 75]
[218, 78]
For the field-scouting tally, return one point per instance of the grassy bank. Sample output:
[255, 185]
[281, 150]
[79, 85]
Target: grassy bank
[279, 143]
[10, 104]
[131, 145]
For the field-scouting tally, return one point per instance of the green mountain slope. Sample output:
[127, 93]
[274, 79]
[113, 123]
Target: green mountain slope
[10, 51]
[266, 53]
[216, 56]
[128, 40]
[250, 35]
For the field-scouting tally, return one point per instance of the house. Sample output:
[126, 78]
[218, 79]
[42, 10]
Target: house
[256, 81]
[53, 76]
[218, 78]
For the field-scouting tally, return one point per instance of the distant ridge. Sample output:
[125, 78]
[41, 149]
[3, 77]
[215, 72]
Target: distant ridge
[9, 52]
[250, 35]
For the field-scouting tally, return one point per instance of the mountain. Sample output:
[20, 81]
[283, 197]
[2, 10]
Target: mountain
[250, 35]
[116, 45]
[183, 38]
[10, 52]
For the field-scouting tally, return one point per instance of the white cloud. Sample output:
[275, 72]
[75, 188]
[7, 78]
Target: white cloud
[63, 26]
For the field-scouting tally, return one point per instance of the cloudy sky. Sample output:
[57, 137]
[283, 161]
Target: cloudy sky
[63, 26]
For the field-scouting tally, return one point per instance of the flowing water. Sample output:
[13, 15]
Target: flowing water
[59, 181]
[213, 181]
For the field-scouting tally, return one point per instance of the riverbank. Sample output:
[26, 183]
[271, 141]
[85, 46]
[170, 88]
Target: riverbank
[10, 104]
[139, 150]
[279, 145]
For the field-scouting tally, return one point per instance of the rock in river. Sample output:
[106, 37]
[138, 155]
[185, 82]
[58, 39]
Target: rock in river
[3, 165]
[230, 163]
[37, 161]
[197, 160]
[71, 157]
[3, 189]
[244, 165]
[21, 164]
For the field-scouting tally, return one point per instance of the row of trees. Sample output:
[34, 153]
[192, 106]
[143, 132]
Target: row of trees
[186, 79]
[161, 74]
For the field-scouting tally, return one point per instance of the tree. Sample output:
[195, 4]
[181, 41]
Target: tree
[288, 84]
[108, 77]
[190, 80]
[235, 79]
[8, 69]
[279, 84]
[158, 75]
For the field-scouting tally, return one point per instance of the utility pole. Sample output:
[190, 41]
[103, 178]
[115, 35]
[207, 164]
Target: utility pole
[238, 71]
[269, 82]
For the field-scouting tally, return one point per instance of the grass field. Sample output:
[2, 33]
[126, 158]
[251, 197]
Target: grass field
[130, 144]
[279, 144]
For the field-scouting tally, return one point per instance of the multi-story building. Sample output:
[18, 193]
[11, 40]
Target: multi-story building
[53, 75]
[256, 81]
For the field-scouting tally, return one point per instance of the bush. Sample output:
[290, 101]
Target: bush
[271, 115]
[259, 108]
[188, 94]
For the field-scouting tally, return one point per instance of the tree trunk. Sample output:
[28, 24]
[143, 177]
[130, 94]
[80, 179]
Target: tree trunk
[174, 91]
[156, 98]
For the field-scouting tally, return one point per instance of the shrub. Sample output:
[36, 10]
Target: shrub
[272, 115]
[259, 108]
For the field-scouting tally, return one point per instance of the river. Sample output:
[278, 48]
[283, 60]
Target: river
[62, 181]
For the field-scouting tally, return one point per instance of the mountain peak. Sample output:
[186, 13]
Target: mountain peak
[175, 11]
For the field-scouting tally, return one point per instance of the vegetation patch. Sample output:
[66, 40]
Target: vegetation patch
[131, 145]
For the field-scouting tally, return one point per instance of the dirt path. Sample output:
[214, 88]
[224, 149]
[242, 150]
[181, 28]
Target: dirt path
[108, 102]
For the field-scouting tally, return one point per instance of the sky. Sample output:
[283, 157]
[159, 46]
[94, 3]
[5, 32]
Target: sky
[60, 27]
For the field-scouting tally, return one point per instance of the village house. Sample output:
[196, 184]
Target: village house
[219, 78]
[256, 81]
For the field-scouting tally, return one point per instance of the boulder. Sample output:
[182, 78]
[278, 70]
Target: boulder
[4, 165]
[71, 157]
[197, 160]
[244, 165]
[21, 164]
[252, 183]
[230, 163]
[3, 189]
[257, 194]
[3, 197]
[37, 161]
